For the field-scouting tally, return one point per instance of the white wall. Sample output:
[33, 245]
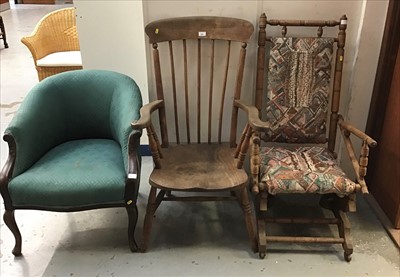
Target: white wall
[111, 36]
[359, 92]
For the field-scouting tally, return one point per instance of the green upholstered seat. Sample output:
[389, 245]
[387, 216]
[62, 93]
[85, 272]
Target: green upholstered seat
[72, 147]
[74, 174]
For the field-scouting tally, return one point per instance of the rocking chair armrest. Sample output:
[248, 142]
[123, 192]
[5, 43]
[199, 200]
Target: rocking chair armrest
[358, 133]
[359, 166]
[145, 114]
[253, 116]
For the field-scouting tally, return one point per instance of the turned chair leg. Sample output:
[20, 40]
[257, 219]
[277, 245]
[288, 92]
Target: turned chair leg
[261, 209]
[9, 220]
[132, 218]
[344, 228]
[262, 238]
[148, 220]
[242, 194]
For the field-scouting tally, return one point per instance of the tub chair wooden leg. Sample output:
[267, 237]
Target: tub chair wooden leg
[132, 217]
[9, 220]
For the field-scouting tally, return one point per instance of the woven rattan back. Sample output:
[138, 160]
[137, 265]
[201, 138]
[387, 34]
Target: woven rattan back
[298, 81]
[57, 31]
[198, 65]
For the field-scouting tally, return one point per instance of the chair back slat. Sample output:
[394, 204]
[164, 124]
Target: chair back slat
[210, 96]
[238, 88]
[198, 90]
[199, 75]
[185, 65]
[221, 107]
[171, 54]
[160, 95]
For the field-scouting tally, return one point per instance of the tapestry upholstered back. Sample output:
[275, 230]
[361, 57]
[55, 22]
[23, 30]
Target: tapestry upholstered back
[298, 81]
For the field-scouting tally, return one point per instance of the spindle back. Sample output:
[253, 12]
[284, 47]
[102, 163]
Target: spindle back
[198, 69]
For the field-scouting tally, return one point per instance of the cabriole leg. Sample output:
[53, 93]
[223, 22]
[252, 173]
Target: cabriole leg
[9, 220]
[132, 219]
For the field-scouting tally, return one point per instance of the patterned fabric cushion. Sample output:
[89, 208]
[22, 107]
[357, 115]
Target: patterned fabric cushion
[298, 88]
[302, 170]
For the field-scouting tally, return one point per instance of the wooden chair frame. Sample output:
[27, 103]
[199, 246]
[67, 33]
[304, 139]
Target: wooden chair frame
[339, 206]
[197, 30]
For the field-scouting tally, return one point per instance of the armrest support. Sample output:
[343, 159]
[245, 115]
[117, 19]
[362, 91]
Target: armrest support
[359, 166]
[145, 114]
[6, 172]
[145, 122]
[133, 171]
[350, 128]
[134, 166]
[253, 116]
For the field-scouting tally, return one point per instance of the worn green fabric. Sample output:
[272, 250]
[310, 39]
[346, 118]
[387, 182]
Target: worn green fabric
[73, 174]
[65, 108]
[74, 105]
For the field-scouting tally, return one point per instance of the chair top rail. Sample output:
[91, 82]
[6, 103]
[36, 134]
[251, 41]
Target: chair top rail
[199, 27]
[300, 23]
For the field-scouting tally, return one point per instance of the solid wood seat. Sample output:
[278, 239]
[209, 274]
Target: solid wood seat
[198, 167]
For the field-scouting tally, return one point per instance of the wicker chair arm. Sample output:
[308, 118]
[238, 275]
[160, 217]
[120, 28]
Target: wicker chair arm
[33, 44]
[145, 114]
[253, 116]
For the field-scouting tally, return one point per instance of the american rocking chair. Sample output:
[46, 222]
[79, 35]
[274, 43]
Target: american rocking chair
[295, 112]
[211, 50]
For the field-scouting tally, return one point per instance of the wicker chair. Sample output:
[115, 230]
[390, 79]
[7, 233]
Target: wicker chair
[54, 43]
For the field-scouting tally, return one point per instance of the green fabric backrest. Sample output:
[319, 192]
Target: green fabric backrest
[74, 105]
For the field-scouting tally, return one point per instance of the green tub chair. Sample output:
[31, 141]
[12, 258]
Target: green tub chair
[72, 148]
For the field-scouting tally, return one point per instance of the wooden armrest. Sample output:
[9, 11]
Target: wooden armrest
[253, 116]
[350, 128]
[145, 114]
[359, 166]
